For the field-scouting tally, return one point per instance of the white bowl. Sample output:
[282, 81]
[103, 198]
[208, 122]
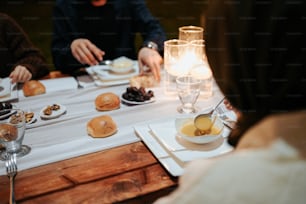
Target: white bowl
[201, 139]
[122, 65]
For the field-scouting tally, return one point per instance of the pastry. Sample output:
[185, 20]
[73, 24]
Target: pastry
[101, 126]
[145, 81]
[107, 101]
[8, 132]
[33, 88]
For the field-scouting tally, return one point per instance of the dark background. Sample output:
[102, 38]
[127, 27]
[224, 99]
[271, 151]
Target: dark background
[35, 18]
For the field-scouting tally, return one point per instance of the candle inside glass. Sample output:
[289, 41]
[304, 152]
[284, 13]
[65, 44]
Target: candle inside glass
[190, 33]
[175, 63]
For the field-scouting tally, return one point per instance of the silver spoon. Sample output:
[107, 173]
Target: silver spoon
[203, 121]
[106, 62]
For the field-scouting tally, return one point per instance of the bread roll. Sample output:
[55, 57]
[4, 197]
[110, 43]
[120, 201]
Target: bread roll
[145, 81]
[8, 132]
[33, 88]
[101, 126]
[107, 101]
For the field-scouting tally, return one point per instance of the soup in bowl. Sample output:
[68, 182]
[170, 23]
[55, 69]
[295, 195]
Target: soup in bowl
[187, 130]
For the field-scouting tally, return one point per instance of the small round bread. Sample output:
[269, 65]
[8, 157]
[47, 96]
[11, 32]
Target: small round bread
[101, 126]
[107, 101]
[8, 132]
[33, 88]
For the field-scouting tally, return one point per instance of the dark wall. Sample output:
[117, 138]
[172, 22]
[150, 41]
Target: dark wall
[35, 17]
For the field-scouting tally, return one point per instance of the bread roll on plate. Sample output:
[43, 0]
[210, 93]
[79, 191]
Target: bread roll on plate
[33, 88]
[101, 126]
[107, 101]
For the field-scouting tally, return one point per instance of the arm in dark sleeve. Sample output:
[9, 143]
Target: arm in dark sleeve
[148, 25]
[25, 53]
[64, 32]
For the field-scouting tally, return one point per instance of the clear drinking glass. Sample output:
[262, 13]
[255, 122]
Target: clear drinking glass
[188, 90]
[12, 130]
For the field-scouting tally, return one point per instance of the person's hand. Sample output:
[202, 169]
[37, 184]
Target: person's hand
[20, 74]
[149, 58]
[86, 52]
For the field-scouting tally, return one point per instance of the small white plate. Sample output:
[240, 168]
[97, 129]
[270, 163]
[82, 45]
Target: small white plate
[33, 120]
[54, 114]
[136, 102]
[7, 115]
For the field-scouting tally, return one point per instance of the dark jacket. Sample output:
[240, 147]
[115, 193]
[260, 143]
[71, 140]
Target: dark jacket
[112, 28]
[17, 49]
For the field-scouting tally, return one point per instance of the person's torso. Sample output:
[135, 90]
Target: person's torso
[109, 27]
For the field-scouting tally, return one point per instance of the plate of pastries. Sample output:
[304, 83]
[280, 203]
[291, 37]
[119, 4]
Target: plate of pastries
[52, 111]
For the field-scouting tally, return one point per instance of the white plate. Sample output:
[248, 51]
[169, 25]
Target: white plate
[136, 102]
[33, 120]
[163, 156]
[104, 81]
[173, 152]
[7, 115]
[54, 114]
[104, 73]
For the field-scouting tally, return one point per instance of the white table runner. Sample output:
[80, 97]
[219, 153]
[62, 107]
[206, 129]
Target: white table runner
[66, 137]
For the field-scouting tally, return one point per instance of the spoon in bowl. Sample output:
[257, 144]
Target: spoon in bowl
[203, 121]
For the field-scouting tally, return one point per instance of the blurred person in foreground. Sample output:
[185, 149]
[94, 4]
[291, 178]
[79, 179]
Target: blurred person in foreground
[89, 31]
[19, 59]
[257, 52]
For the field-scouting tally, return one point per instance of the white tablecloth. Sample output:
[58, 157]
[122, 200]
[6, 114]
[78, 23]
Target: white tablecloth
[66, 137]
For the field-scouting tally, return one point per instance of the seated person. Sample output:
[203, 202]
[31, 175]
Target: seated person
[257, 54]
[19, 59]
[90, 31]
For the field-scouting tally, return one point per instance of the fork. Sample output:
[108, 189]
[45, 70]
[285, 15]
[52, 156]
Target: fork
[11, 169]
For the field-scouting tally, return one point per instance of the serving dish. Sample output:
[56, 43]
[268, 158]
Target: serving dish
[7, 115]
[151, 100]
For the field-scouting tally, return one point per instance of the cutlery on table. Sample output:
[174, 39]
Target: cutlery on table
[226, 121]
[11, 169]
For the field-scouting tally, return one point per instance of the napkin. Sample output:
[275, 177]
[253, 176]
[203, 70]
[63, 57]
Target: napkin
[8, 90]
[5, 87]
[59, 84]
